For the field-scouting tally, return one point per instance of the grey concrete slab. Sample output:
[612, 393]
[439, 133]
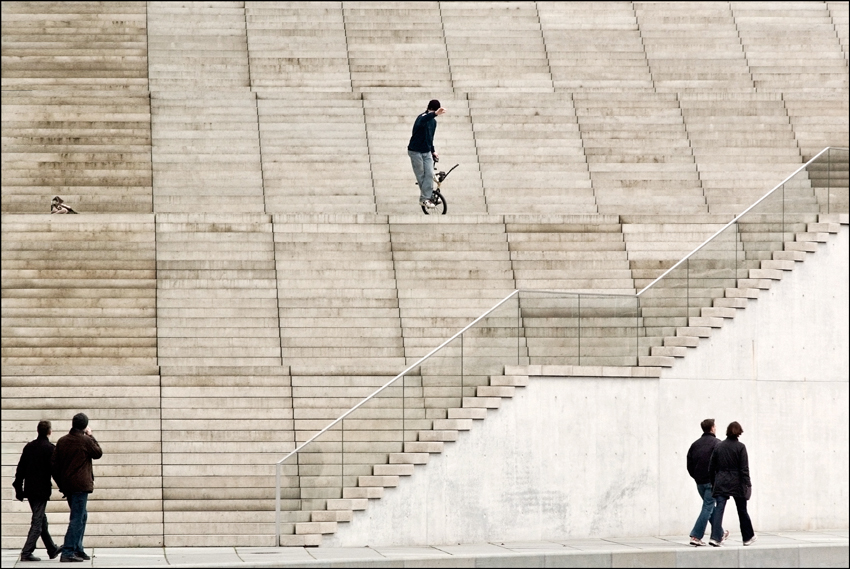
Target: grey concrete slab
[125, 557]
[202, 555]
[596, 545]
[273, 554]
[347, 553]
[410, 552]
[824, 556]
[524, 546]
[775, 556]
[707, 557]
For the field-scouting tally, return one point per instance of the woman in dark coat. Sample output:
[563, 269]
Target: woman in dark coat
[729, 471]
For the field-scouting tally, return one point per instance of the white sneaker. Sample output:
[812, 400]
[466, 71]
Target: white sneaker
[429, 204]
[696, 542]
[752, 540]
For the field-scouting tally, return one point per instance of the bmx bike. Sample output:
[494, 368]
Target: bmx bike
[438, 198]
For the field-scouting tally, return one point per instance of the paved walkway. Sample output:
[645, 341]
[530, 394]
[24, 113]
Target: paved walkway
[781, 549]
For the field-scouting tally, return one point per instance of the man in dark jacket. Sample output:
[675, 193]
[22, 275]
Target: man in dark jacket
[72, 471]
[422, 153]
[729, 469]
[698, 457]
[32, 481]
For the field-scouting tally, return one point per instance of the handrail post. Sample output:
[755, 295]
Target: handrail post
[278, 466]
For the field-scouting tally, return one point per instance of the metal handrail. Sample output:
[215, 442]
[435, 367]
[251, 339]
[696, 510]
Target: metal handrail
[347, 413]
[500, 303]
[735, 220]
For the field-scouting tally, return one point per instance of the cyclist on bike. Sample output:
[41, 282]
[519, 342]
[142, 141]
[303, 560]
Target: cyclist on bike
[422, 153]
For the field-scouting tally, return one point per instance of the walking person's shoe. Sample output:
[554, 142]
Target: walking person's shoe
[52, 553]
[715, 543]
[70, 559]
[697, 542]
[82, 555]
[752, 540]
[29, 557]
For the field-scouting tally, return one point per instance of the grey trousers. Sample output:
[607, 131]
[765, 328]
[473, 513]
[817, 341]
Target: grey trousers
[38, 528]
[423, 167]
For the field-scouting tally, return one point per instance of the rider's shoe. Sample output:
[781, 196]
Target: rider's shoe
[428, 203]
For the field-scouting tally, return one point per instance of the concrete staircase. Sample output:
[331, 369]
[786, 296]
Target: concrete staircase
[297, 46]
[213, 56]
[496, 45]
[634, 168]
[530, 154]
[757, 151]
[812, 61]
[58, 45]
[206, 152]
[315, 154]
[222, 430]
[79, 290]
[337, 294]
[573, 33]
[91, 146]
[216, 291]
[383, 39]
[692, 47]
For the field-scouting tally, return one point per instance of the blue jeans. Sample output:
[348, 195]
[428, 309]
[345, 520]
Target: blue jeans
[76, 524]
[706, 511]
[747, 532]
[423, 167]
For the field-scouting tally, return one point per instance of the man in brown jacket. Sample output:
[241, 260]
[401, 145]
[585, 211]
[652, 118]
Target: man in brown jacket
[72, 471]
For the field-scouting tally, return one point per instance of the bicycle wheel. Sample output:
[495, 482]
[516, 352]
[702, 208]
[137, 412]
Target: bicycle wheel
[442, 205]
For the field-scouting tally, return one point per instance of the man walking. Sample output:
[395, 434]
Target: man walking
[422, 153]
[32, 481]
[72, 471]
[698, 458]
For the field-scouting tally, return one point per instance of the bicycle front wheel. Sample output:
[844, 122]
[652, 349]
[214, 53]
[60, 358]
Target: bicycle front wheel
[442, 205]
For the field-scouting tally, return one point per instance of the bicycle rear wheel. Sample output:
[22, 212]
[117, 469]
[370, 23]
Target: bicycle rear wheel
[442, 205]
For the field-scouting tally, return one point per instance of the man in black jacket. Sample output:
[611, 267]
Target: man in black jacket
[699, 456]
[32, 481]
[422, 153]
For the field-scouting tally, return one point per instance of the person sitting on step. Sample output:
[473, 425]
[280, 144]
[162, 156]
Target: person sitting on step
[58, 206]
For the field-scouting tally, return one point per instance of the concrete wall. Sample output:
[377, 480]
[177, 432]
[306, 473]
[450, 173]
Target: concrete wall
[575, 457]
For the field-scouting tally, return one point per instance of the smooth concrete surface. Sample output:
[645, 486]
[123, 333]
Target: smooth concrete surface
[825, 548]
[597, 457]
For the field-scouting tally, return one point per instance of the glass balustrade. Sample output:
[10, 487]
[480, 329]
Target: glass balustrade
[345, 451]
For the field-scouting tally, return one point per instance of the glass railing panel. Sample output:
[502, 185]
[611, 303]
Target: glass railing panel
[664, 306]
[712, 269]
[320, 464]
[837, 185]
[440, 384]
[288, 482]
[607, 330]
[580, 329]
[768, 225]
[376, 428]
[491, 344]
[550, 323]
